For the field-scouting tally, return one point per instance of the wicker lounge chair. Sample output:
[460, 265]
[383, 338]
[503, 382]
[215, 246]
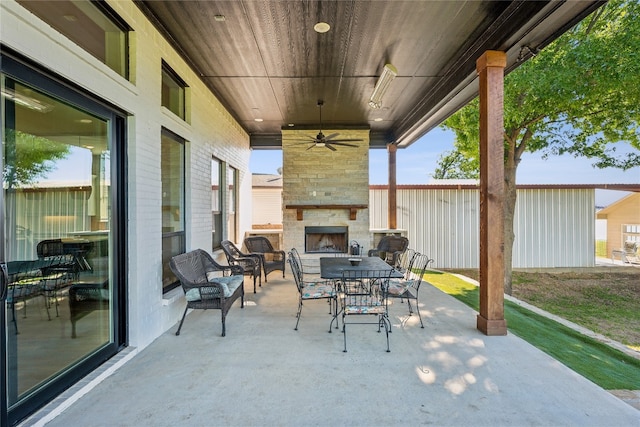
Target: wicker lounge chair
[271, 259]
[250, 263]
[390, 248]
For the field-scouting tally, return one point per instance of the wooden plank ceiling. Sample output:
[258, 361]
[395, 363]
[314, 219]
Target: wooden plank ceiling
[264, 60]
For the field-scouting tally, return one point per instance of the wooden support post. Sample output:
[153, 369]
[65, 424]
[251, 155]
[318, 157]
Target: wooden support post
[490, 68]
[392, 200]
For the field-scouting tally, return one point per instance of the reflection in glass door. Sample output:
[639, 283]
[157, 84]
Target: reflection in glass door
[57, 211]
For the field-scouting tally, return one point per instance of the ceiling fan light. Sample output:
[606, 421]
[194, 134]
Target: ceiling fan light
[389, 72]
[321, 27]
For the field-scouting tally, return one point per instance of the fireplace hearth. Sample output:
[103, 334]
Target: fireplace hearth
[326, 239]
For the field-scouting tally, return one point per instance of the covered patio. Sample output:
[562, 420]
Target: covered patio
[250, 72]
[265, 373]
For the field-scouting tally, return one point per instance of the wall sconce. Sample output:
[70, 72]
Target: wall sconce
[389, 72]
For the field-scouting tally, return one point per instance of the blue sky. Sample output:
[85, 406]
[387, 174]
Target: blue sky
[416, 163]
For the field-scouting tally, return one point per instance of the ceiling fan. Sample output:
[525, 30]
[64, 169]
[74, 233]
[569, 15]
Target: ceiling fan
[327, 141]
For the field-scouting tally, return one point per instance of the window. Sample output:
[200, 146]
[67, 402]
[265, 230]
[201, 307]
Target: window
[631, 233]
[91, 25]
[63, 207]
[216, 203]
[232, 194]
[173, 203]
[173, 91]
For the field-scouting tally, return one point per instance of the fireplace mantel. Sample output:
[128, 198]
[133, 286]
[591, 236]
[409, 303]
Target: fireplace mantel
[353, 209]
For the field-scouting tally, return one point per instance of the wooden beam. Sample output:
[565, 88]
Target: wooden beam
[391, 194]
[353, 209]
[490, 67]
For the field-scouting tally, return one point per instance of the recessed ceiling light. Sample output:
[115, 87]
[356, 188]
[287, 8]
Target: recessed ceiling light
[219, 18]
[377, 119]
[85, 121]
[290, 125]
[321, 27]
[258, 120]
[70, 18]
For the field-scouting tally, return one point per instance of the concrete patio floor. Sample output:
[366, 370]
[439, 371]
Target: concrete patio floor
[263, 373]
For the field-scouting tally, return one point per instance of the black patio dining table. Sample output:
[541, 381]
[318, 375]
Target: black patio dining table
[332, 267]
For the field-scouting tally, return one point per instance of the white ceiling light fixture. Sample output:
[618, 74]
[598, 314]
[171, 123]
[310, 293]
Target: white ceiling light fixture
[321, 27]
[257, 117]
[389, 72]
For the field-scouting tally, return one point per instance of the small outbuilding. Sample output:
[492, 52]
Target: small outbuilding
[623, 227]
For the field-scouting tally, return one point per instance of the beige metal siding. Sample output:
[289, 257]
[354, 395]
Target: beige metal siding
[441, 223]
[553, 227]
[46, 213]
[267, 206]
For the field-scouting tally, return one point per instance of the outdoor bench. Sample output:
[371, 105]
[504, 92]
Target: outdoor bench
[205, 284]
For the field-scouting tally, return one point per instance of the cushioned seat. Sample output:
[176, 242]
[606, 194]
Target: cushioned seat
[229, 285]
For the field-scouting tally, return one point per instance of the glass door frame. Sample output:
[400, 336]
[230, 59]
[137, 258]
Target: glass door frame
[16, 67]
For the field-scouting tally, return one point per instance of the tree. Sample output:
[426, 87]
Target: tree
[455, 165]
[579, 95]
[29, 157]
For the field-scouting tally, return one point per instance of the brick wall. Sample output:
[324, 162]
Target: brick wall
[209, 131]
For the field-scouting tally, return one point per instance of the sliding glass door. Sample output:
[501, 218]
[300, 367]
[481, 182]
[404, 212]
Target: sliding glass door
[61, 310]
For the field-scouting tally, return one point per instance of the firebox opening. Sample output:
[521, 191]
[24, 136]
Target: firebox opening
[326, 239]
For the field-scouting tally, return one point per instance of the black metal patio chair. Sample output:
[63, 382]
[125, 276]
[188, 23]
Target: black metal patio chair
[405, 260]
[307, 267]
[409, 286]
[365, 295]
[313, 290]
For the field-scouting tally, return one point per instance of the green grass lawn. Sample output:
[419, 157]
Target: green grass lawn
[611, 369]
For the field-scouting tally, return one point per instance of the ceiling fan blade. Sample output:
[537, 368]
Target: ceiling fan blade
[330, 147]
[305, 139]
[311, 146]
[333, 135]
[345, 140]
[344, 144]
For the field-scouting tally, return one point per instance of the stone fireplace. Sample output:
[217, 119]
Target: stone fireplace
[325, 188]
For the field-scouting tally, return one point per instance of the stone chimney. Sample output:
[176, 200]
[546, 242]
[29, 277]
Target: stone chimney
[332, 186]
